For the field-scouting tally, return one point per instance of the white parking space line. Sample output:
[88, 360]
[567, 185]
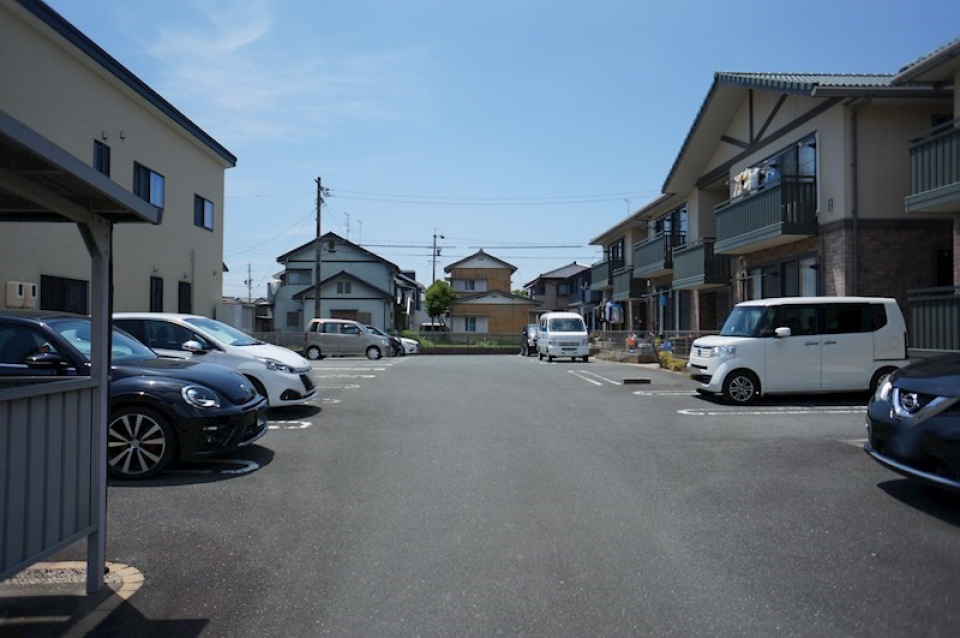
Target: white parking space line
[579, 375]
[350, 386]
[583, 374]
[855, 442]
[657, 393]
[365, 369]
[345, 376]
[239, 467]
[813, 409]
[289, 425]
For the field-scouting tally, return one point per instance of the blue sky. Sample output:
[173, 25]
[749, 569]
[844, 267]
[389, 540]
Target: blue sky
[505, 124]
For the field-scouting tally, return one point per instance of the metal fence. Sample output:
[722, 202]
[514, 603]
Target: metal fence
[48, 468]
[934, 318]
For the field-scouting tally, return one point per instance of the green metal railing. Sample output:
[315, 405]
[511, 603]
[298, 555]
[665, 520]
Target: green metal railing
[600, 274]
[788, 208]
[934, 318]
[935, 158]
[698, 263]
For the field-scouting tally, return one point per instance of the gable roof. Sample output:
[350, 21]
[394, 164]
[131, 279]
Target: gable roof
[564, 272]
[343, 274]
[937, 66]
[479, 253]
[729, 88]
[333, 236]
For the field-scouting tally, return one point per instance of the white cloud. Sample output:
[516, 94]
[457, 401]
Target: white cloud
[237, 69]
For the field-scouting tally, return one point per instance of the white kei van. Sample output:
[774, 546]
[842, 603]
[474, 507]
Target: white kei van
[801, 345]
[563, 334]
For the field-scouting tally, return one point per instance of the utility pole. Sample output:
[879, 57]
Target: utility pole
[347, 215]
[249, 283]
[436, 253]
[318, 248]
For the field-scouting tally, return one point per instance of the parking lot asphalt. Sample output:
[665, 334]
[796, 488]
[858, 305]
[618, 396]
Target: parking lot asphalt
[50, 599]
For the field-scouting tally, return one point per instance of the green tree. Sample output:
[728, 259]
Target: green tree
[440, 295]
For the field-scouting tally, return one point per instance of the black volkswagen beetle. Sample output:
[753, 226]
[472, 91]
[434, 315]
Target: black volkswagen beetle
[913, 422]
[160, 409]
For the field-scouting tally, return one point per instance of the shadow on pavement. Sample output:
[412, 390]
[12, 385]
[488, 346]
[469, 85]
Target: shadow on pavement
[245, 461]
[936, 502]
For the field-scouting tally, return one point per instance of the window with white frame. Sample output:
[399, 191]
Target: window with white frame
[343, 288]
[469, 324]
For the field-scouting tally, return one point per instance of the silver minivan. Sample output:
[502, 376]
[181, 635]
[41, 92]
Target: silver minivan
[342, 338]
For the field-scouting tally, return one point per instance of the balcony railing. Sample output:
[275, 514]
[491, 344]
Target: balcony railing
[776, 215]
[600, 276]
[654, 257]
[697, 266]
[934, 319]
[935, 169]
[621, 282]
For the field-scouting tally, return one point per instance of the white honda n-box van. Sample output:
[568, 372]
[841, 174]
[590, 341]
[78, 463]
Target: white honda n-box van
[801, 344]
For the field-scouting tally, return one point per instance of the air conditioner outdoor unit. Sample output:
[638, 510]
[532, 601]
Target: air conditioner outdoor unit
[30, 294]
[14, 297]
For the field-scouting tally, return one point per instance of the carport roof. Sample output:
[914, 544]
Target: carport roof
[41, 182]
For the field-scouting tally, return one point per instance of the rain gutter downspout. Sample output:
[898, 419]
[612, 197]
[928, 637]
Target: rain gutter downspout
[855, 197]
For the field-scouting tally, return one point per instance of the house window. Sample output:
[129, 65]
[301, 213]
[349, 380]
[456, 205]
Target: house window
[148, 185]
[469, 285]
[64, 295]
[185, 297]
[156, 294]
[293, 319]
[298, 277]
[469, 324]
[343, 287]
[101, 157]
[202, 212]
[674, 224]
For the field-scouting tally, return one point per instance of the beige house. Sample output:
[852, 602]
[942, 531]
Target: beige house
[485, 303]
[59, 83]
[786, 185]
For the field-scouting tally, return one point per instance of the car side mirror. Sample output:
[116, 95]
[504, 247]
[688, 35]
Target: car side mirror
[193, 346]
[780, 333]
[45, 361]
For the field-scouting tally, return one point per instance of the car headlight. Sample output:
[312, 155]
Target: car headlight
[884, 390]
[201, 397]
[724, 352]
[277, 366]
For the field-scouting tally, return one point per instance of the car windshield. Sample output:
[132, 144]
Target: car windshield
[123, 347]
[567, 325]
[743, 321]
[377, 331]
[223, 333]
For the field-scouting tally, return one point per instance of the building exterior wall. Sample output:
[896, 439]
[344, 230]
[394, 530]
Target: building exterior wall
[503, 318]
[52, 87]
[496, 278]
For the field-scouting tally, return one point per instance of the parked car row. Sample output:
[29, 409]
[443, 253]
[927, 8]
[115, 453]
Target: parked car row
[345, 337]
[161, 409]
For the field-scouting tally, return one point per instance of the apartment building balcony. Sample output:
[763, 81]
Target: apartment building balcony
[621, 283]
[654, 257]
[934, 321]
[779, 214]
[935, 170]
[600, 275]
[697, 266]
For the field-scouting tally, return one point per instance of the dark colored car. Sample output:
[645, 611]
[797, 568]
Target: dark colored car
[395, 344]
[160, 409]
[913, 422]
[528, 339]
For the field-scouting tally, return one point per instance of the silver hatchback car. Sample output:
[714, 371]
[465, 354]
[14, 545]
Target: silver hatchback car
[342, 338]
